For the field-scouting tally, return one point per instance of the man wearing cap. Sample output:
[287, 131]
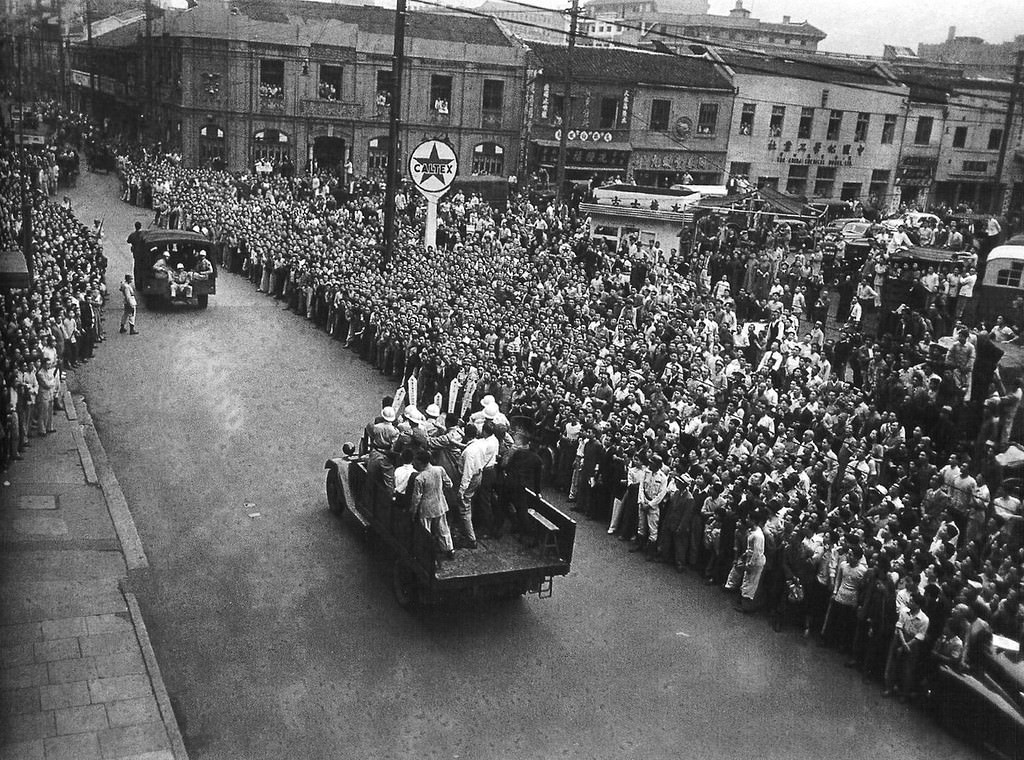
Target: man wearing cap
[653, 491]
[203, 268]
[181, 282]
[380, 468]
[127, 289]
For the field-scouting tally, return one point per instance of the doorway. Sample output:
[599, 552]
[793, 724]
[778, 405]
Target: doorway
[329, 154]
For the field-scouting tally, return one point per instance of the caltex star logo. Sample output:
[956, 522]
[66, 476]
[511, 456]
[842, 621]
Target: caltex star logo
[433, 169]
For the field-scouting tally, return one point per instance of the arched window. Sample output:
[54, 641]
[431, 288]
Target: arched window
[211, 143]
[377, 157]
[488, 158]
[272, 145]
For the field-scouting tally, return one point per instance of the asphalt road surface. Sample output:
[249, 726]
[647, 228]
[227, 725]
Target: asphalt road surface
[274, 623]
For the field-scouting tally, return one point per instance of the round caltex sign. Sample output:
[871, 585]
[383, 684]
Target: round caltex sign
[433, 166]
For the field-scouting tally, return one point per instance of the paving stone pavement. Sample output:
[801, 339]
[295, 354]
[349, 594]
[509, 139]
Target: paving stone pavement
[78, 677]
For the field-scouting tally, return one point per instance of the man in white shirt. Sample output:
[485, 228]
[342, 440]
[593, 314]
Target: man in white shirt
[905, 649]
[965, 295]
[478, 460]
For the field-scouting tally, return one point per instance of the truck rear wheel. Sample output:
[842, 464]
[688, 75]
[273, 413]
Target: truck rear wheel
[335, 494]
[403, 584]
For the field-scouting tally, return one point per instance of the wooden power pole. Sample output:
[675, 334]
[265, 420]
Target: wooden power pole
[394, 138]
[566, 102]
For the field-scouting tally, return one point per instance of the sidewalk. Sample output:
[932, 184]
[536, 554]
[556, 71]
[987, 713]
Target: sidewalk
[78, 677]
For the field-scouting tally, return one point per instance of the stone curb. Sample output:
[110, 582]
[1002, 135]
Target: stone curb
[117, 505]
[156, 679]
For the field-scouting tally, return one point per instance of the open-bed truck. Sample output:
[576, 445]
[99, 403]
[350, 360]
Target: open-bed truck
[507, 567]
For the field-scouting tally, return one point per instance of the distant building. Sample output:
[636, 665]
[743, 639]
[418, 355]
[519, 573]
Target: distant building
[529, 24]
[651, 117]
[983, 57]
[648, 21]
[310, 83]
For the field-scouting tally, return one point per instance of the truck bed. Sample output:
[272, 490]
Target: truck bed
[492, 557]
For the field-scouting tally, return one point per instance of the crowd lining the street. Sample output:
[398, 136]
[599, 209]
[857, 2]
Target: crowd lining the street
[56, 323]
[703, 414]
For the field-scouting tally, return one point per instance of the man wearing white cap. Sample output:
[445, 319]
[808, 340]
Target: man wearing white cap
[181, 282]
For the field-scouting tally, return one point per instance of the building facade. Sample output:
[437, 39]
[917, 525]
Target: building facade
[820, 128]
[311, 84]
[651, 117]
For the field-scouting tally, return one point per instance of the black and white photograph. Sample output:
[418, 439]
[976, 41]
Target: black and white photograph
[511, 380]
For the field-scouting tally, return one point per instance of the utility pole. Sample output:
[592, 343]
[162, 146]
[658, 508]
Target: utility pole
[26, 197]
[92, 59]
[150, 100]
[1004, 144]
[566, 103]
[394, 138]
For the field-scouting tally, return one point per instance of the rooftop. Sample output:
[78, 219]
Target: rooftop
[613, 64]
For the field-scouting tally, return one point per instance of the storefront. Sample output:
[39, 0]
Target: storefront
[664, 168]
[588, 155]
[914, 179]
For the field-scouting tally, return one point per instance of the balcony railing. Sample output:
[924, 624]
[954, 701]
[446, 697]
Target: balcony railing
[491, 120]
[269, 103]
[331, 109]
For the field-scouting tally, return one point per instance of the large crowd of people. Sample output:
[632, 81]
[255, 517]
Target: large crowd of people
[56, 323]
[714, 408]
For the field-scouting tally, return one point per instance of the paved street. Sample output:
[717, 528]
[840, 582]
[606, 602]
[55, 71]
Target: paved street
[274, 624]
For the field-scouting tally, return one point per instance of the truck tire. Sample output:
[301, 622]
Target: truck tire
[335, 493]
[403, 585]
[203, 300]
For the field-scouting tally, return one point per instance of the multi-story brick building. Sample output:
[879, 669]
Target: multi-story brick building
[311, 83]
[650, 116]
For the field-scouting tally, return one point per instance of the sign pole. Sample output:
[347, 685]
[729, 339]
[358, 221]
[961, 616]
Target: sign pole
[433, 166]
[430, 238]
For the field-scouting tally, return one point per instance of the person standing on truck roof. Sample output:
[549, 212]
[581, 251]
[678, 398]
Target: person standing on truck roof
[428, 502]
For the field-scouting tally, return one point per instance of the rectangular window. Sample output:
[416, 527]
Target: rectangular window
[385, 84]
[923, 134]
[889, 129]
[850, 191]
[806, 126]
[860, 132]
[329, 87]
[609, 114]
[739, 169]
[440, 94]
[825, 181]
[778, 121]
[493, 103]
[272, 79]
[835, 124]
[659, 115]
[772, 183]
[797, 184]
[1011, 277]
[879, 183]
[494, 95]
[995, 139]
[747, 118]
[975, 166]
[557, 107]
[707, 119]
[959, 137]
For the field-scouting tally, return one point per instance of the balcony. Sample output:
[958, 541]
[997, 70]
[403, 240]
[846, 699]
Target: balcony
[331, 109]
[272, 104]
[491, 120]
